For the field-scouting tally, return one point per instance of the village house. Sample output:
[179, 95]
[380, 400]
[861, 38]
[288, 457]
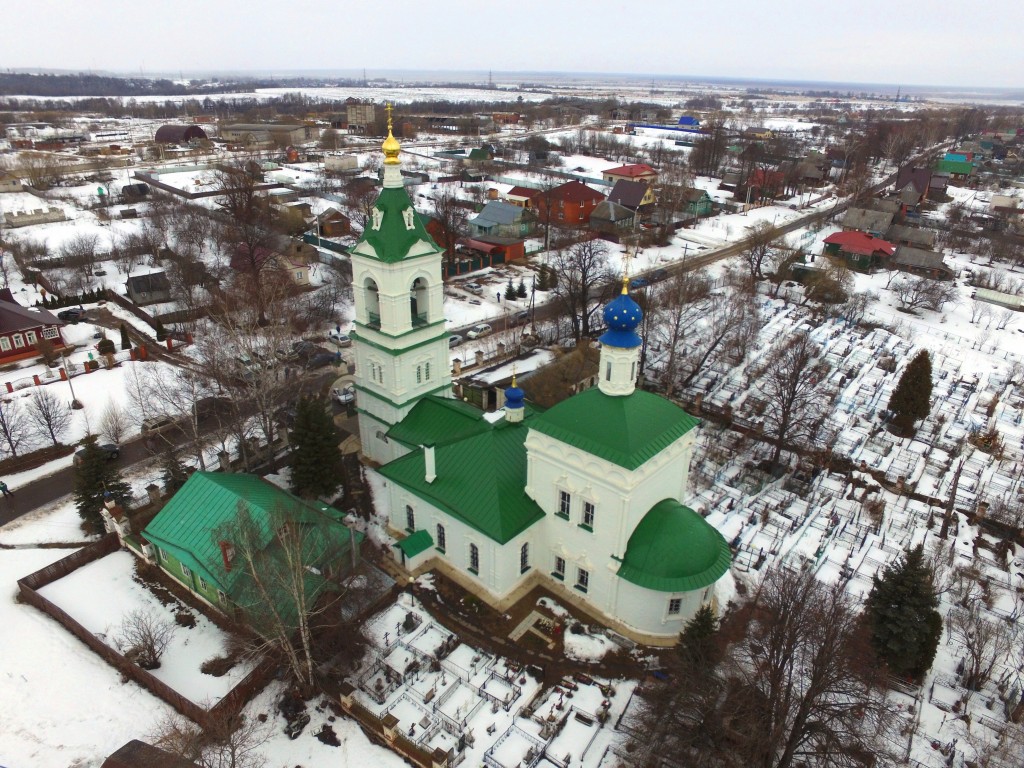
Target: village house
[875, 223]
[22, 328]
[859, 250]
[503, 220]
[153, 288]
[921, 262]
[610, 218]
[635, 172]
[524, 197]
[915, 237]
[288, 256]
[9, 182]
[635, 195]
[569, 204]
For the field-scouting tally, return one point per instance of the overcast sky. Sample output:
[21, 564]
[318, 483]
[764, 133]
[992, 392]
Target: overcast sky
[929, 42]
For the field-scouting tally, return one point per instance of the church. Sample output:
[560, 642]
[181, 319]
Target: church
[582, 498]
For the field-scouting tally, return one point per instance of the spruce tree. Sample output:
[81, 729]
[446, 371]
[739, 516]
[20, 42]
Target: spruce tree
[510, 291]
[902, 613]
[697, 643]
[96, 476]
[174, 473]
[911, 400]
[542, 279]
[316, 458]
[126, 343]
[521, 289]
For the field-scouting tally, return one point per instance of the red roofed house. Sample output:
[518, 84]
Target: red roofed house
[860, 250]
[524, 197]
[21, 328]
[570, 204]
[762, 184]
[634, 172]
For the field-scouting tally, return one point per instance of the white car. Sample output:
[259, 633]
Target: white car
[473, 288]
[479, 331]
[343, 395]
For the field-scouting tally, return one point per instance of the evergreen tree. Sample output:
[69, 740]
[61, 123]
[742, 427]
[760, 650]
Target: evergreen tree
[174, 473]
[126, 343]
[911, 400]
[697, 644]
[542, 279]
[316, 458]
[521, 289]
[161, 332]
[510, 291]
[96, 476]
[902, 613]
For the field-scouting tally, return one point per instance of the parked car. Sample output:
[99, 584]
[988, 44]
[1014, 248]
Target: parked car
[638, 282]
[158, 423]
[343, 395]
[473, 288]
[454, 340]
[479, 331]
[321, 358]
[109, 451]
[659, 274]
[520, 318]
[339, 337]
[72, 315]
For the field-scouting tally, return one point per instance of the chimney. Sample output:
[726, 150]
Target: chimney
[227, 552]
[428, 460]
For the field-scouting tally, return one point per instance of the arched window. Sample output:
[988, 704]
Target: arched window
[441, 538]
[474, 558]
[524, 558]
[426, 371]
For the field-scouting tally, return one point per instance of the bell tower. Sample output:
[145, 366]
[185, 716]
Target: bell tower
[400, 341]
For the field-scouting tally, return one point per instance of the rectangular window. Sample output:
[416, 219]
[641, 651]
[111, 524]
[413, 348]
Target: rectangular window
[163, 555]
[185, 571]
[50, 332]
[608, 372]
[410, 519]
[582, 579]
[440, 538]
[524, 558]
[426, 371]
[675, 605]
[5, 344]
[221, 596]
[474, 559]
[419, 374]
[298, 275]
[588, 515]
[19, 341]
[559, 572]
[30, 337]
[564, 502]
[202, 583]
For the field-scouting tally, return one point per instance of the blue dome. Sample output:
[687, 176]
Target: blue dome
[514, 396]
[622, 316]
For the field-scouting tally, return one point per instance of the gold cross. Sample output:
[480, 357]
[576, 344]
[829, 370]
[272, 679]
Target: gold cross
[388, 110]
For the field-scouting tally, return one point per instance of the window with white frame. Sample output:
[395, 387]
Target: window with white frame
[524, 558]
[474, 558]
[582, 579]
[559, 571]
[298, 275]
[564, 503]
[441, 538]
[607, 371]
[19, 341]
[675, 605]
[163, 555]
[588, 514]
[5, 344]
[30, 337]
[419, 374]
[426, 371]
[186, 572]
[50, 332]
[410, 519]
[202, 583]
[221, 596]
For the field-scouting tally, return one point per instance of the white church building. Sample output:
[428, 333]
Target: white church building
[582, 498]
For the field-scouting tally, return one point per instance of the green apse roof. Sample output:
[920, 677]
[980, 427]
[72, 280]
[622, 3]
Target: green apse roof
[394, 242]
[674, 549]
[438, 420]
[185, 526]
[626, 430]
[479, 480]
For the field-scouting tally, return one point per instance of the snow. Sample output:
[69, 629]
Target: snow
[585, 647]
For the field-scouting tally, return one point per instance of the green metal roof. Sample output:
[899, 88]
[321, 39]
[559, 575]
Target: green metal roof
[480, 480]
[954, 166]
[626, 430]
[415, 543]
[392, 242]
[674, 549]
[438, 420]
[208, 500]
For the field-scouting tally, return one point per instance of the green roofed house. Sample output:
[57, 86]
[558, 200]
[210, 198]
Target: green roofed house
[195, 539]
[584, 498]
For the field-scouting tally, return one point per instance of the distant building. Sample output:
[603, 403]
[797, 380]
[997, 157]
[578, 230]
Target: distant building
[267, 133]
[9, 182]
[179, 134]
[634, 172]
[153, 288]
[361, 116]
[921, 262]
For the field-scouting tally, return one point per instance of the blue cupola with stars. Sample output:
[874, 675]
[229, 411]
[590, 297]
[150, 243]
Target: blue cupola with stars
[622, 316]
[515, 406]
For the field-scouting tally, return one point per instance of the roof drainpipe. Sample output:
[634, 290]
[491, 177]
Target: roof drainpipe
[428, 460]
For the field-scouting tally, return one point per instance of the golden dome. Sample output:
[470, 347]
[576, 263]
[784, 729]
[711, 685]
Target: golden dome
[391, 146]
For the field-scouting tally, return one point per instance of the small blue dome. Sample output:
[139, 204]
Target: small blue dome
[622, 316]
[514, 396]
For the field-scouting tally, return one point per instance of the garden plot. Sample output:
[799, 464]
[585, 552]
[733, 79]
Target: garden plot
[102, 612]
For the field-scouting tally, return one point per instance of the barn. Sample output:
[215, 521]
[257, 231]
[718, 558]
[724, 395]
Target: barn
[179, 134]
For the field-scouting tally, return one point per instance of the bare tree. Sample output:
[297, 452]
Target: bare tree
[13, 425]
[79, 253]
[924, 293]
[115, 423]
[229, 741]
[678, 304]
[144, 638]
[757, 246]
[50, 414]
[41, 170]
[451, 217]
[985, 642]
[581, 267]
[792, 381]
[725, 328]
